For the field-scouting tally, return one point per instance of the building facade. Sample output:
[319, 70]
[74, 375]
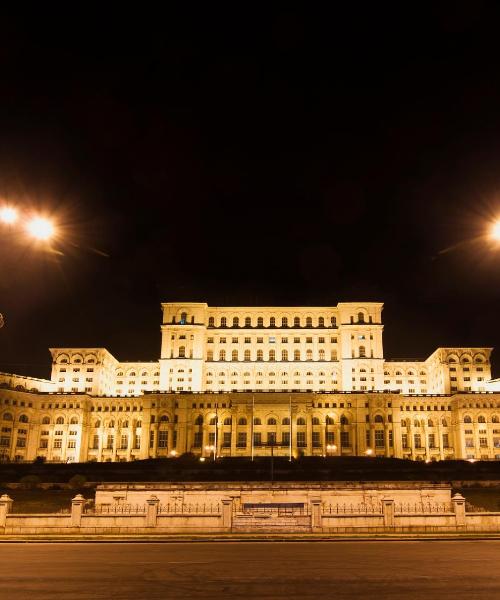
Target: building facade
[248, 381]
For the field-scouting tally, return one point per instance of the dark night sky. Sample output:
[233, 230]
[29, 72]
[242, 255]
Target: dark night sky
[250, 156]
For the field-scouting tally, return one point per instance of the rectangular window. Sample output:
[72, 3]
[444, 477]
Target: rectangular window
[21, 442]
[344, 439]
[44, 443]
[226, 441]
[316, 441]
[257, 439]
[367, 438]
[95, 442]
[162, 439]
[391, 439]
[110, 442]
[242, 440]
[483, 442]
[404, 440]
[330, 437]
[417, 440]
[151, 439]
[57, 443]
[446, 440]
[432, 440]
[379, 439]
[271, 438]
[301, 439]
[198, 439]
[285, 438]
[71, 443]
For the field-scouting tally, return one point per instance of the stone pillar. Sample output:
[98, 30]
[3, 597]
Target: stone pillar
[458, 502]
[152, 511]
[316, 521]
[227, 513]
[77, 510]
[5, 508]
[388, 510]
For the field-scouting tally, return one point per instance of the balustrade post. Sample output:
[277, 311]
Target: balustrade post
[5, 509]
[458, 502]
[227, 513]
[388, 511]
[152, 511]
[316, 519]
[77, 510]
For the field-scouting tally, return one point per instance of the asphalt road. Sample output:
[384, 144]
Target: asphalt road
[410, 570]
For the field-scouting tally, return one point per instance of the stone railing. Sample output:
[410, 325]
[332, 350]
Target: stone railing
[153, 518]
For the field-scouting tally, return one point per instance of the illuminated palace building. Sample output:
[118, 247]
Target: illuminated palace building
[245, 381]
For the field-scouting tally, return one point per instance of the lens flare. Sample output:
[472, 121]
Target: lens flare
[8, 215]
[495, 231]
[40, 228]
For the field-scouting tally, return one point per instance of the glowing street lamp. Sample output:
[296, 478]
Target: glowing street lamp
[8, 215]
[495, 231]
[210, 449]
[369, 452]
[40, 228]
[331, 448]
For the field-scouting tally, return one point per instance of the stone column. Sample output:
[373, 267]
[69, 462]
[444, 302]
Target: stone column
[5, 509]
[227, 513]
[152, 511]
[458, 502]
[77, 510]
[388, 510]
[316, 521]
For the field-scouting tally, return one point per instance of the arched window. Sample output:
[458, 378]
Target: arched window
[125, 423]
[131, 374]
[296, 355]
[260, 355]
[478, 359]
[96, 424]
[236, 322]
[272, 354]
[248, 322]
[416, 423]
[403, 423]
[344, 420]
[210, 355]
[284, 322]
[309, 322]
[480, 419]
[45, 420]
[73, 421]
[362, 352]
[272, 322]
[444, 423]
[309, 354]
[257, 421]
[183, 318]
[211, 321]
[111, 423]
[227, 421]
[301, 421]
[242, 421]
[330, 420]
[430, 423]
[333, 321]
[321, 321]
[198, 420]
[163, 419]
[361, 317]
[182, 351]
[260, 322]
[285, 421]
[213, 421]
[494, 419]
[296, 321]
[234, 355]
[467, 419]
[379, 419]
[23, 419]
[465, 359]
[223, 322]
[271, 421]
[60, 421]
[315, 421]
[222, 355]
[284, 355]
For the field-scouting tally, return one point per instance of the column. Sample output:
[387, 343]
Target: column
[77, 510]
[458, 503]
[5, 508]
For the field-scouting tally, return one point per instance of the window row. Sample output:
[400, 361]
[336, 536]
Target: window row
[258, 355]
[282, 322]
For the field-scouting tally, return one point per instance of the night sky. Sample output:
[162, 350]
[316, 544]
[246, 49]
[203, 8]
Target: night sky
[250, 156]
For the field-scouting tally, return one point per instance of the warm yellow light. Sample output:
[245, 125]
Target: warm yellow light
[495, 231]
[8, 215]
[202, 459]
[369, 452]
[40, 228]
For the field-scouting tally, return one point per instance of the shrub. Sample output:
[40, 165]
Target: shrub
[29, 482]
[77, 481]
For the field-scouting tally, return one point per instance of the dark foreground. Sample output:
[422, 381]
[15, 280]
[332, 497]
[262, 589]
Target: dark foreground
[407, 570]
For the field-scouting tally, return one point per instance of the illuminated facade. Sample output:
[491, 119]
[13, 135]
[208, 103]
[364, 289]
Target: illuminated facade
[239, 381]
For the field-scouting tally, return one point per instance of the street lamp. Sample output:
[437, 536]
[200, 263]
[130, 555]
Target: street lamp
[495, 231]
[330, 449]
[8, 215]
[369, 452]
[210, 449]
[40, 228]
[36, 226]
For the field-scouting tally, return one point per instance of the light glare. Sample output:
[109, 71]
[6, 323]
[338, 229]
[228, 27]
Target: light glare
[495, 231]
[40, 228]
[8, 215]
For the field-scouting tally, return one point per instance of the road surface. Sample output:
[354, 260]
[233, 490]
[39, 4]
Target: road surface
[410, 570]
